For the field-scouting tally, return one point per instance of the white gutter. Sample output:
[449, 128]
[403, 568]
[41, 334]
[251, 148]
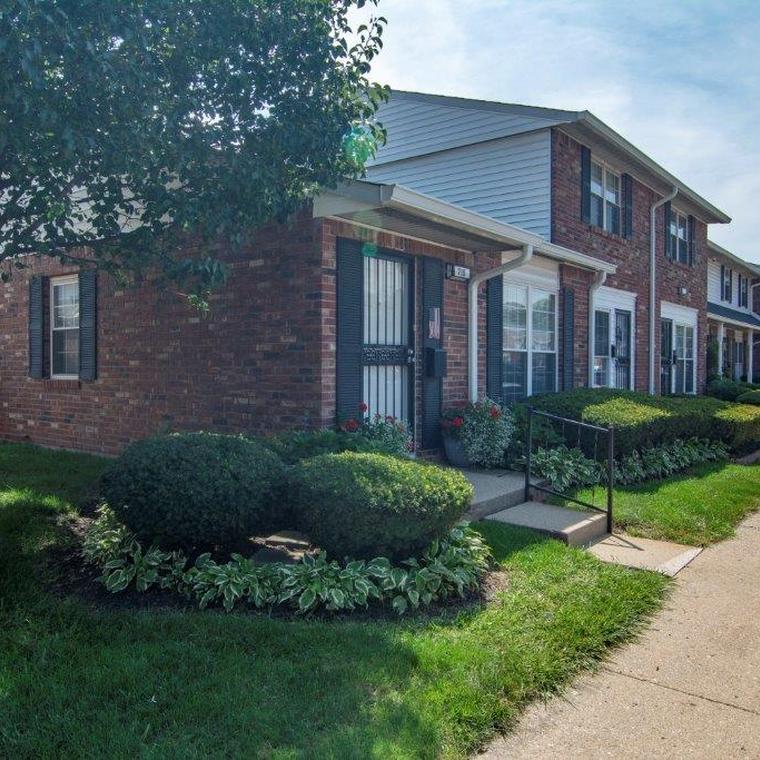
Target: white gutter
[653, 284]
[472, 308]
[599, 280]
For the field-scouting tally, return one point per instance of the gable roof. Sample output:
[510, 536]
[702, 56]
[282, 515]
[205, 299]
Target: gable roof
[421, 123]
[720, 251]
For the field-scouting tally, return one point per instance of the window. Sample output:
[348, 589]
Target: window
[743, 291]
[605, 198]
[530, 341]
[543, 341]
[679, 237]
[64, 327]
[727, 284]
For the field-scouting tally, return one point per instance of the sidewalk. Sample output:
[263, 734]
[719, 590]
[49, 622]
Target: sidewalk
[689, 688]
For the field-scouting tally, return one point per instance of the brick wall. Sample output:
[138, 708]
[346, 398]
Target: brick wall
[252, 365]
[454, 310]
[263, 360]
[632, 259]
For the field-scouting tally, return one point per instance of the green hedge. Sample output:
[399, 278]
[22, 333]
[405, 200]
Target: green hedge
[728, 390]
[750, 397]
[373, 505]
[642, 421]
[196, 490]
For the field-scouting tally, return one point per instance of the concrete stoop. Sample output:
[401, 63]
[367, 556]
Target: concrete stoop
[495, 490]
[568, 525]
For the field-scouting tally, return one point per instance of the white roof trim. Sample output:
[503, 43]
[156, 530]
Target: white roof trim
[360, 195]
[730, 321]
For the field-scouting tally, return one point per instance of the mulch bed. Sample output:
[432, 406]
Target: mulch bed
[70, 575]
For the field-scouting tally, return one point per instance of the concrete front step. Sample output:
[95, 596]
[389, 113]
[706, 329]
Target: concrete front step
[568, 525]
[495, 490]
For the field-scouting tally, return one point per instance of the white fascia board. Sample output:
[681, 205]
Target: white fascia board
[730, 321]
[419, 204]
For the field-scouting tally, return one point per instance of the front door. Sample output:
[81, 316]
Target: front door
[388, 336]
[622, 349]
[666, 356]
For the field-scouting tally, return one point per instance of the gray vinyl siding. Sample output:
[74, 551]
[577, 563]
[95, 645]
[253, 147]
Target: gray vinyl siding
[507, 179]
[418, 126]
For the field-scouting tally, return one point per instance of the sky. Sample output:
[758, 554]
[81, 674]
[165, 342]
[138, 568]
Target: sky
[680, 80]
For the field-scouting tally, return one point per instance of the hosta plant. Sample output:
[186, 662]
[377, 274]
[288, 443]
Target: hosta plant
[449, 567]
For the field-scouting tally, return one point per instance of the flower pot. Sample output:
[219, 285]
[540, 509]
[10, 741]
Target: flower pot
[455, 452]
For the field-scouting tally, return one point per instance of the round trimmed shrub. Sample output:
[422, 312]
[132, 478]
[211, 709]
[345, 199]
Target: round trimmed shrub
[363, 505]
[195, 489]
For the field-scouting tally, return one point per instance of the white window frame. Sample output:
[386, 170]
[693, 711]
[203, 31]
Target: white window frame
[529, 290]
[55, 281]
[606, 171]
[743, 289]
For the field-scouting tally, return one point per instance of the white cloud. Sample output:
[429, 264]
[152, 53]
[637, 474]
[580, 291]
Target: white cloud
[680, 81]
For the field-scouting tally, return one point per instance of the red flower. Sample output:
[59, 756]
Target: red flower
[390, 418]
[410, 445]
[495, 412]
[350, 426]
[457, 422]
[363, 407]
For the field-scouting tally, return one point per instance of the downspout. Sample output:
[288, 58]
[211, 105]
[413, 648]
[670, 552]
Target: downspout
[472, 308]
[599, 280]
[653, 284]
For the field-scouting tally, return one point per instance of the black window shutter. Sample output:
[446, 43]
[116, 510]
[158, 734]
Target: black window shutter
[692, 241]
[36, 327]
[669, 253]
[627, 206]
[432, 388]
[585, 184]
[568, 339]
[348, 360]
[722, 282]
[88, 325]
[494, 327]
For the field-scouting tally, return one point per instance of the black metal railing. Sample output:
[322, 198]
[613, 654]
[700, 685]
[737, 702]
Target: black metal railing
[610, 432]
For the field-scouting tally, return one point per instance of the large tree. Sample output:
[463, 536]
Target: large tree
[126, 125]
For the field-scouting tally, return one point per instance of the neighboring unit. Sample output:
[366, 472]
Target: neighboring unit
[733, 322]
[569, 178]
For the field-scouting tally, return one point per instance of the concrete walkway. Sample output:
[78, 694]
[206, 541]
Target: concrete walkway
[689, 688]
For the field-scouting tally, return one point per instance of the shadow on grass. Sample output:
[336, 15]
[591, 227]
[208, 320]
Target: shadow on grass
[78, 681]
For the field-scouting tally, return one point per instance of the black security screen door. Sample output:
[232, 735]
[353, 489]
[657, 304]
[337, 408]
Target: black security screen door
[388, 335]
[623, 349]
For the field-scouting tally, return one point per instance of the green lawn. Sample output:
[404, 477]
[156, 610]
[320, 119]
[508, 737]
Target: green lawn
[699, 507]
[76, 681]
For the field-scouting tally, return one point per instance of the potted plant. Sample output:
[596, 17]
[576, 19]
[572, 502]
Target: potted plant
[476, 434]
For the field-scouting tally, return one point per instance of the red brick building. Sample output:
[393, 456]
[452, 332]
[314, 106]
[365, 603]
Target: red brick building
[497, 248]
[351, 302]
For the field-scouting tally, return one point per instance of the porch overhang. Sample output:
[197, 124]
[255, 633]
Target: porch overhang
[401, 211]
[732, 317]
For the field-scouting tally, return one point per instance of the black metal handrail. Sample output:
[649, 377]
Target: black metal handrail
[610, 431]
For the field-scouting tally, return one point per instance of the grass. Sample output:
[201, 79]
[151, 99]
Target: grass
[698, 507]
[77, 681]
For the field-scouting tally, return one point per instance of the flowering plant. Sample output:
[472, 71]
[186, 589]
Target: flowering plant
[389, 433]
[483, 427]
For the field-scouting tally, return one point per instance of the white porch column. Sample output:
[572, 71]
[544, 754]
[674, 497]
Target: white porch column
[721, 336]
[750, 336]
